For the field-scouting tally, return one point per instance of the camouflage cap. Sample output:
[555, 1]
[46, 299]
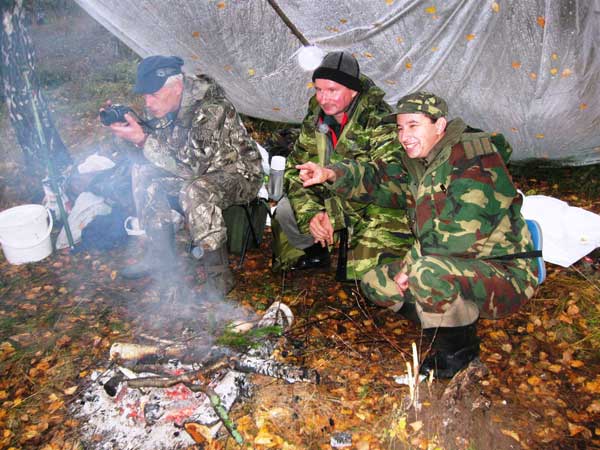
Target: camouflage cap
[422, 103]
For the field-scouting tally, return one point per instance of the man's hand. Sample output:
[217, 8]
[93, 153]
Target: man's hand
[321, 228]
[311, 173]
[401, 280]
[131, 131]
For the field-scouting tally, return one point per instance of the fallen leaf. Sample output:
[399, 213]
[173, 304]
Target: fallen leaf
[70, 391]
[511, 433]
[516, 65]
[575, 429]
[495, 7]
[470, 37]
[430, 10]
[251, 72]
[541, 21]
[416, 426]
[534, 380]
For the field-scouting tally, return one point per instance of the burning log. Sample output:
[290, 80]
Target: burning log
[126, 351]
[270, 368]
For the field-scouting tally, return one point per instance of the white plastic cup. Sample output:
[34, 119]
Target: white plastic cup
[276, 177]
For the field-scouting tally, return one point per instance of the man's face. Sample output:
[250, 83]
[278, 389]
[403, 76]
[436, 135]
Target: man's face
[418, 134]
[333, 97]
[164, 101]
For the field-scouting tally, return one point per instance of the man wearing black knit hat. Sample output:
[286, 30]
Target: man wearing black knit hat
[344, 121]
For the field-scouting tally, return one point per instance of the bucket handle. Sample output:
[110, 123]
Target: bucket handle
[50, 225]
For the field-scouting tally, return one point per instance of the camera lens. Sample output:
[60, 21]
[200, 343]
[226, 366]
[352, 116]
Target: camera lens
[108, 116]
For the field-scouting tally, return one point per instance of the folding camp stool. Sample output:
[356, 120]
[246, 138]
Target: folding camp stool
[251, 210]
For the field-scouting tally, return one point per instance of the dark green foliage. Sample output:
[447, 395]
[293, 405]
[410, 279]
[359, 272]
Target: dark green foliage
[251, 339]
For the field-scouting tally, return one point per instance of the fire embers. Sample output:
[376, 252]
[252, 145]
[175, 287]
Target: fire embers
[149, 395]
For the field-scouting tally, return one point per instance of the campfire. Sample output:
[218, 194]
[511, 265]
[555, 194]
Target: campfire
[160, 393]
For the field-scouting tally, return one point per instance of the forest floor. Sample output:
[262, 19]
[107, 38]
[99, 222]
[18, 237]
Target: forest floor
[59, 318]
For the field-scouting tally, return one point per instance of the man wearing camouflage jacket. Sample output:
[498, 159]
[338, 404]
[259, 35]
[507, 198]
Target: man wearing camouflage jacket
[473, 253]
[197, 152]
[343, 122]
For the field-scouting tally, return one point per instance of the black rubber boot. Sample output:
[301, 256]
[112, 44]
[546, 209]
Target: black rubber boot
[453, 348]
[315, 257]
[159, 256]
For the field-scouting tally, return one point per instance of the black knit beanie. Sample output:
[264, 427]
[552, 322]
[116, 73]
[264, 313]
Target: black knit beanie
[340, 67]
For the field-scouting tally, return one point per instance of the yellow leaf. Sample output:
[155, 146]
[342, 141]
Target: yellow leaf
[113, 275]
[583, 106]
[576, 363]
[310, 85]
[539, 136]
[342, 295]
[541, 21]
[408, 65]
[195, 34]
[534, 381]
[430, 10]
[368, 55]
[221, 5]
[533, 76]
[593, 386]
[495, 7]
[3, 395]
[70, 391]
[566, 73]
[389, 2]
[555, 368]
[251, 72]
[511, 433]
[343, 20]
[470, 37]
[269, 440]
[516, 65]
[553, 71]
[399, 40]
[576, 429]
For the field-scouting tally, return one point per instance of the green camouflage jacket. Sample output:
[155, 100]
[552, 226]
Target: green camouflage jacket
[207, 135]
[364, 138]
[461, 200]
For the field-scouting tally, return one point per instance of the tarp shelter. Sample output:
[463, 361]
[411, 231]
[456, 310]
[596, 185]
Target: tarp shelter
[529, 69]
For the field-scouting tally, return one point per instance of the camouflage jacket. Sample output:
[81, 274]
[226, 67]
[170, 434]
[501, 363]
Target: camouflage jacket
[207, 135]
[364, 138]
[461, 199]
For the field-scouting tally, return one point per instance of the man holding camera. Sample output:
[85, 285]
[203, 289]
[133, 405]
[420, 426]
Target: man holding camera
[197, 152]
[344, 121]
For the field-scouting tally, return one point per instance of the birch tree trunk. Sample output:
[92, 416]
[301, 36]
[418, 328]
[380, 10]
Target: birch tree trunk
[18, 62]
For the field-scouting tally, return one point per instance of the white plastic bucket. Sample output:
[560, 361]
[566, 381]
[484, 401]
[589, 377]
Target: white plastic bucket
[25, 233]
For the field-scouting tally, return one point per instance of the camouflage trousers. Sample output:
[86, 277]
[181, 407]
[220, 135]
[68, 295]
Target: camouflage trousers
[202, 201]
[374, 240]
[452, 291]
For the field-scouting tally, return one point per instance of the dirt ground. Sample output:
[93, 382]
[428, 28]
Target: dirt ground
[59, 317]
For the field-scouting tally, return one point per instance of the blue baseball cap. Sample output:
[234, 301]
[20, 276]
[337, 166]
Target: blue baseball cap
[153, 71]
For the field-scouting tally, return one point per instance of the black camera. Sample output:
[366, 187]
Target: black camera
[114, 113]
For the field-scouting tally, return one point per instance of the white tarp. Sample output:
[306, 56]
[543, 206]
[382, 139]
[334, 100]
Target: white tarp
[526, 68]
[568, 233]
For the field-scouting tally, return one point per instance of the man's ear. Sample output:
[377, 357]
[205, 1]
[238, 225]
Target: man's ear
[440, 125]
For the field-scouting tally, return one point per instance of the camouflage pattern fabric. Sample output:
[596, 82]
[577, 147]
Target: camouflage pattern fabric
[466, 216]
[205, 158]
[377, 234]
